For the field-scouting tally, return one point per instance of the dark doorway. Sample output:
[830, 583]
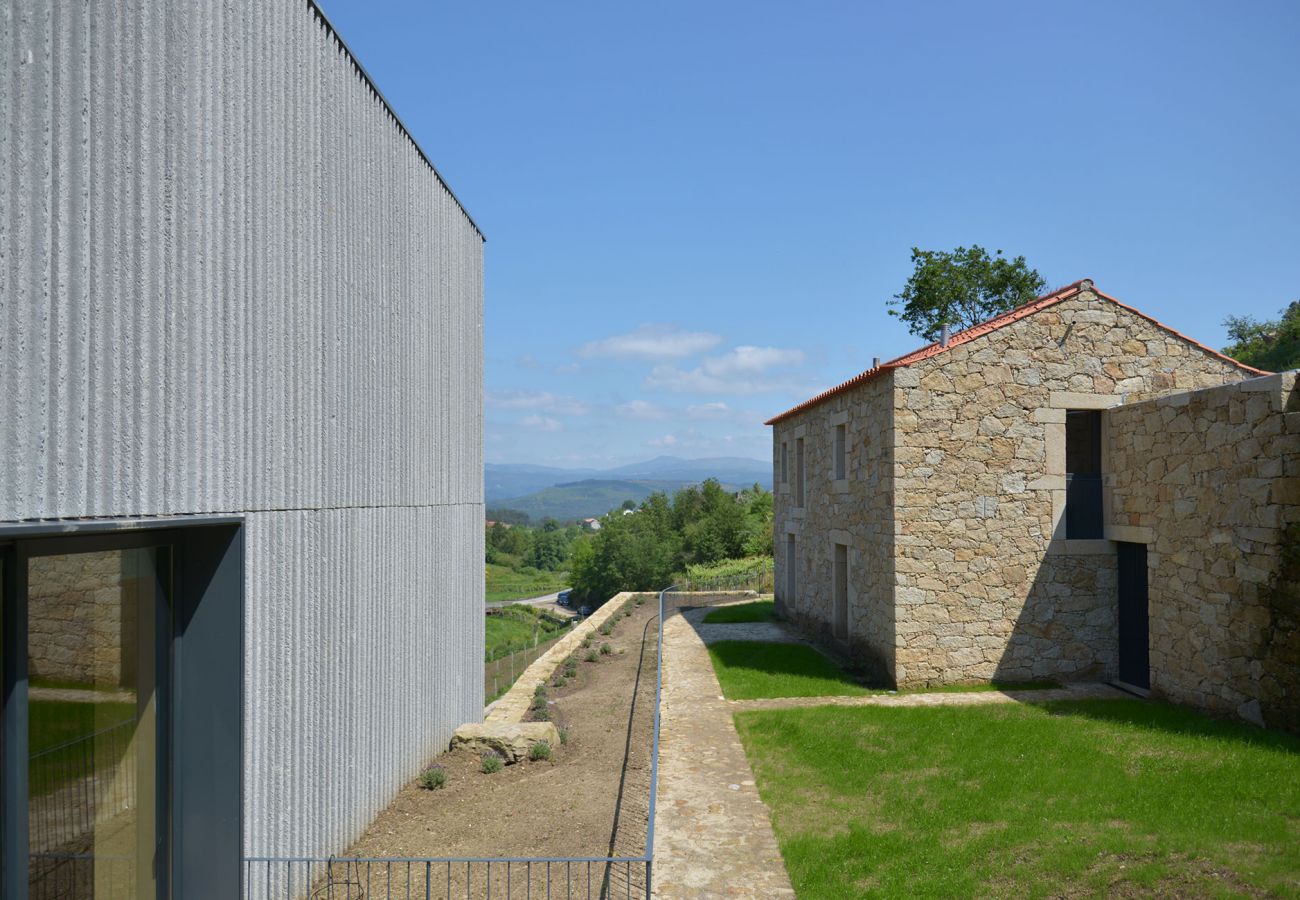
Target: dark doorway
[1134, 628]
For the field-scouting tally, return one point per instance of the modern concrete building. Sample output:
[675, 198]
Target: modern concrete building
[1071, 490]
[241, 508]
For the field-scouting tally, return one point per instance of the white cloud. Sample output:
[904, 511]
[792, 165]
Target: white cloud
[716, 410]
[668, 440]
[639, 409]
[653, 342]
[540, 423]
[740, 370]
[542, 401]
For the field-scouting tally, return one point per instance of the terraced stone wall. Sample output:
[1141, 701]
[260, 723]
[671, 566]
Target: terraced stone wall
[1210, 480]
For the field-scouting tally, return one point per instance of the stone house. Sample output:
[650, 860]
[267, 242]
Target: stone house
[1070, 490]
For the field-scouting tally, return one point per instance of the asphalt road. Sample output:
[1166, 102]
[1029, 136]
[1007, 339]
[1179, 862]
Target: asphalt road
[546, 601]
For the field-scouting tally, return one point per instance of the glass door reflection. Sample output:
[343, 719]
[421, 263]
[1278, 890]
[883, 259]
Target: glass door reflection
[94, 667]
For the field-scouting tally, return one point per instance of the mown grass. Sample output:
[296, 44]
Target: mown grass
[1075, 798]
[505, 583]
[758, 611]
[985, 686]
[749, 670]
[514, 628]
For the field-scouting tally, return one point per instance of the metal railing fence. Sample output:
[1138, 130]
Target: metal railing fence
[489, 878]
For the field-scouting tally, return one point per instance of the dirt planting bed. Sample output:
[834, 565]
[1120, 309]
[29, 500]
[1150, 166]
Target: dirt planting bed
[589, 799]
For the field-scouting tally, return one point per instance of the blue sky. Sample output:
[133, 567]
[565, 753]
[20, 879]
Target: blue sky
[696, 211]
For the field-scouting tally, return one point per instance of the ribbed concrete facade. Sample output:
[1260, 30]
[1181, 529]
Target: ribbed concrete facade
[232, 283]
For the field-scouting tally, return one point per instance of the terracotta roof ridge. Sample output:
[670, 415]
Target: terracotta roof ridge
[990, 325]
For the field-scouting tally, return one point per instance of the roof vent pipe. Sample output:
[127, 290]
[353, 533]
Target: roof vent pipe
[875, 362]
[945, 335]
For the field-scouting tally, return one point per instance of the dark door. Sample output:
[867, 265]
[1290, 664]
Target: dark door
[1134, 631]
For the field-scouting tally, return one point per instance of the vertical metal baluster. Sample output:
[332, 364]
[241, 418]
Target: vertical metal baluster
[489, 880]
[548, 880]
[529, 875]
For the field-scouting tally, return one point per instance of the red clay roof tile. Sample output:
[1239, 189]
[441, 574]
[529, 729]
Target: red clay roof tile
[993, 324]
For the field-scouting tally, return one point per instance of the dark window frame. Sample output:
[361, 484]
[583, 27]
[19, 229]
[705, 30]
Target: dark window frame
[1084, 517]
[201, 705]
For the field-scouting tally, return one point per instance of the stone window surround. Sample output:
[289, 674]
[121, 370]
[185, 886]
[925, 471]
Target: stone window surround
[840, 485]
[852, 562]
[1052, 418]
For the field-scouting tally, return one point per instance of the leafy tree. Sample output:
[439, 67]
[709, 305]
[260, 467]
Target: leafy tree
[1272, 345]
[628, 504]
[509, 516]
[700, 524]
[962, 287]
[550, 550]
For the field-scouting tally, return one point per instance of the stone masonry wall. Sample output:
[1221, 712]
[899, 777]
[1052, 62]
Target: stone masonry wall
[856, 511]
[986, 585]
[74, 618]
[1210, 480]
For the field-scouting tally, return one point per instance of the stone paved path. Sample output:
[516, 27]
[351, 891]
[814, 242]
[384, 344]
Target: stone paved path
[748, 631]
[1079, 691]
[713, 836]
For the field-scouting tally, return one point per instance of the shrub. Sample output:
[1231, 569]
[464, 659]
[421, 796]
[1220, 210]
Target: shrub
[606, 649]
[606, 629]
[491, 762]
[539, 691]
[539, 751]
[541, 715]
[592, 655]
[586, 642]
[539, 703]
[433, 778]
[564, 735]
[560, 681]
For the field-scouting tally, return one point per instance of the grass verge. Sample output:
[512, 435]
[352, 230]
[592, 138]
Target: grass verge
[1075, 798]
[505, 583]
[749, 670]
[758, 611]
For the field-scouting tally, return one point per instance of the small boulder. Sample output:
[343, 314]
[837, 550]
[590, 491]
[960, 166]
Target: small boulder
[512, 740]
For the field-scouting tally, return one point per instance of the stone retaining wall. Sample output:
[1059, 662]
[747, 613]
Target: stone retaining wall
[514, 703]
[1210, 481]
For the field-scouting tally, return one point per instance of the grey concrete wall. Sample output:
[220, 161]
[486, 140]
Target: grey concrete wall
[231, 283]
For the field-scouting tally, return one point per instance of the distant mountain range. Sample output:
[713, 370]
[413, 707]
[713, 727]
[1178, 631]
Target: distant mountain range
[543, 491]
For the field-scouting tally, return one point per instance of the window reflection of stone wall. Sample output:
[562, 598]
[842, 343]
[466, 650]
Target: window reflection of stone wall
[78, 622]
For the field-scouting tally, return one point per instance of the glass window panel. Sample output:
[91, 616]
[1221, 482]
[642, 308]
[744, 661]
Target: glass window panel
[92, 658]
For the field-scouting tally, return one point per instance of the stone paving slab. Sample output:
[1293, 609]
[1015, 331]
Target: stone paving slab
[1080, 691]
[713, 834]
[772, 632]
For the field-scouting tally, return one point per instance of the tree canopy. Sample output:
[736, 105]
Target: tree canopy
[962, 287]
[644, 550]
[1271, 345]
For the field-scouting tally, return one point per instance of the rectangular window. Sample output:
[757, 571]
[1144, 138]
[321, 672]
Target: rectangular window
[96, 698]
[798, 472]
[789, 569]
[841, 436]
[840, 584]
[1083, 490]
[785, 462]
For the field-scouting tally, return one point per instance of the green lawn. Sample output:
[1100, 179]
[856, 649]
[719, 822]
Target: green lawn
[505, 583]
[514, 627]
[748, 670]
[758, 611]
[1105, 798]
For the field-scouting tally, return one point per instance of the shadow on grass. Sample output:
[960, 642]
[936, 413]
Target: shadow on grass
[757, 669]
[1154, 716]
